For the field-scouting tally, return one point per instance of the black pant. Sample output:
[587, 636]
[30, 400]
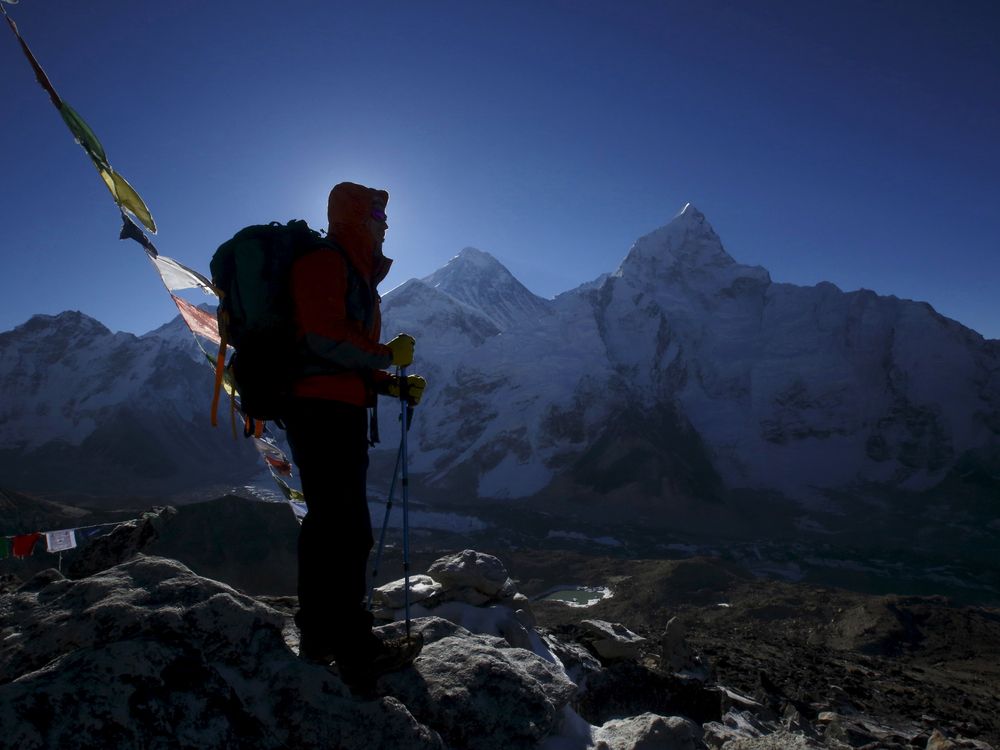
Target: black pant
[329, 442]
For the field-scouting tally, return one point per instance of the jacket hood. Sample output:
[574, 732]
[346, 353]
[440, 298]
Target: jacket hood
[348, 210]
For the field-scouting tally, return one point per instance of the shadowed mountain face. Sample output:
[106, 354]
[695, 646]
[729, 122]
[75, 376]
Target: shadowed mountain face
[682, 379]
[90, 412]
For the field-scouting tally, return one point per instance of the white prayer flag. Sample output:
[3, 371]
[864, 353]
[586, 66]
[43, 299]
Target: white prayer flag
[59, 541]
[176, 276]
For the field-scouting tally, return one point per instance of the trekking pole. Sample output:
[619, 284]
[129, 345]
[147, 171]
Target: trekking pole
[385, 525]
[404, 423]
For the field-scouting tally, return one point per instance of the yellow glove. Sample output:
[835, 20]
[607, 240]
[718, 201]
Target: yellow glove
[402, 350]
[413, 388]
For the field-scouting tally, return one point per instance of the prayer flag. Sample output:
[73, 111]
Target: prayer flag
[4, 547]
[200, 322]
[124, 194]
[84, 136]
[43, 79]
[59, 541]
[176, 277]
[24, 545]
[292, 495]
[126, 197]
[274, 457]
[282, 466]
[93, 532]
[131, 232]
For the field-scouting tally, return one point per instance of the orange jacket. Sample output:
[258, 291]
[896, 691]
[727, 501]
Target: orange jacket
[337, 317]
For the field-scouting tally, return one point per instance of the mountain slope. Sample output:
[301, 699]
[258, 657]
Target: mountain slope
[798, 390]
[94, 412]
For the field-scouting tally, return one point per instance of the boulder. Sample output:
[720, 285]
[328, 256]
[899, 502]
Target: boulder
[647, 732]
[938, 741]
[479, 692]
[494, 620]
[676, 654]
[612, 640]
[577, 661]
[473, 570]
[392, 595]
[466, 595]
[780, 740]
[736, 725]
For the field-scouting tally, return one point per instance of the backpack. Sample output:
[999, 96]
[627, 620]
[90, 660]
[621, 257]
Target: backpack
[252, 272]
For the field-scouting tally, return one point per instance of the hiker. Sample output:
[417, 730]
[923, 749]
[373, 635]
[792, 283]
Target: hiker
[340, 370]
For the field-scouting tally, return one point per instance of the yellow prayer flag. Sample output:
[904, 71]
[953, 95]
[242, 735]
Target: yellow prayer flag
[126, 197]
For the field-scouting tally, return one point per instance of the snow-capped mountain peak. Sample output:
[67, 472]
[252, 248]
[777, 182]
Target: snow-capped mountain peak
[685, 260]
[68, 324]
[690, 213]
[688, 241]
[477, 279]
[470, 265]
[480, 258]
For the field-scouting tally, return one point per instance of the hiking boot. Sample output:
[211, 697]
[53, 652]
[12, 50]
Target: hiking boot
[360, 672]
[318, 650]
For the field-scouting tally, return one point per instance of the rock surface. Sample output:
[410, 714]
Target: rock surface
[474, 570]
[648, 732]
[612, 640]
[393, 595]
[482, 694]
[147, 654]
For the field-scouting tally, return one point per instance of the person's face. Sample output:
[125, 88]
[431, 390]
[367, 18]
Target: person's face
[378, 224]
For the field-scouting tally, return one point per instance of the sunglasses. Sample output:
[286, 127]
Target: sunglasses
[379, 214]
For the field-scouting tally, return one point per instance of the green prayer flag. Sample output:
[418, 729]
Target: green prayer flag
[290, 493]
[126, 197]
[4, 548]
[84, 136]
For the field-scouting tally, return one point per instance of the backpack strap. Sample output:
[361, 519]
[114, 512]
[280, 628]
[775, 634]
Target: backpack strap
[220, 366]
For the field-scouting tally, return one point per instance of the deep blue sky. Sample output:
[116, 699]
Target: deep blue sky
[854, 142]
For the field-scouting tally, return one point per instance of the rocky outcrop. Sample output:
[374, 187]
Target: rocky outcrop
[125, 540]
[148, 654]
[648, 732]
[612, 640]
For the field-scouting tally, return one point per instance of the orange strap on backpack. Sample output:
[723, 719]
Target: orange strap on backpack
[220, 367]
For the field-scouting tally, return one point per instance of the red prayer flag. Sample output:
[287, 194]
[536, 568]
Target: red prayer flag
[282, 466]
[39, 73]
[199, 321]
[24, 545]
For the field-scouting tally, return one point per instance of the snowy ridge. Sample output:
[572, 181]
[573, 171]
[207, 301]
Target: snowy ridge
[795, 389]
[681, 374]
